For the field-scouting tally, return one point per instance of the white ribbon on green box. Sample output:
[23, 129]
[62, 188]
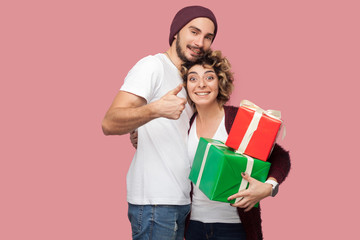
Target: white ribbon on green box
[244, 183]
[203, 164]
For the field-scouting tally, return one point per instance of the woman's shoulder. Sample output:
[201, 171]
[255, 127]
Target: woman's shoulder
[230, 114]
[230, 109]
[192, 120]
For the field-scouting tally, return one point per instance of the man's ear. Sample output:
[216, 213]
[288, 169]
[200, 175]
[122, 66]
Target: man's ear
[174, 40]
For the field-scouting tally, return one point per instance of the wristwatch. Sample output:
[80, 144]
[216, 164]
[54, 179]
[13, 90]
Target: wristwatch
[275, 187]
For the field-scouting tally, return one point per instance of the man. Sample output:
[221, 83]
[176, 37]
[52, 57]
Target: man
[153, 101]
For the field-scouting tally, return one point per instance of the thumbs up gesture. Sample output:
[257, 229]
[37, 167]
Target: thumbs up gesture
[170, 105]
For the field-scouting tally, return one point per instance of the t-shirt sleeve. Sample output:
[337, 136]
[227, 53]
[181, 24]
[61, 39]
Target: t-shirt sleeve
[144, 79]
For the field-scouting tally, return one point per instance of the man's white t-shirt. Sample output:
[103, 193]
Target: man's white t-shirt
[159, 171]
[202, 208]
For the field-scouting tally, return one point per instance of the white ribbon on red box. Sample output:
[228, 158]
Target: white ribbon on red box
[255, 122]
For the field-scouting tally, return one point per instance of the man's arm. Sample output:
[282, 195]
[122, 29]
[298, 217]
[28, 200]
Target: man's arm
[129, 111]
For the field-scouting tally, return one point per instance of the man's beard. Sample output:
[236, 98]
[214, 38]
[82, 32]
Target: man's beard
[181, 54]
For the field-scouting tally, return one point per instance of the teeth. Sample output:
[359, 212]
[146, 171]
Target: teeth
[202, 94]
[195, 50]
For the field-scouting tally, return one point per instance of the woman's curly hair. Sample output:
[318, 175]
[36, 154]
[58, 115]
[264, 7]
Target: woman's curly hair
[222, 68]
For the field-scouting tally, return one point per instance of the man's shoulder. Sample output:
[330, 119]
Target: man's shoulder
[150, 60]
[147, 66]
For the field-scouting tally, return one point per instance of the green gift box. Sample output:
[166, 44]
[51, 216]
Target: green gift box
[217, 169]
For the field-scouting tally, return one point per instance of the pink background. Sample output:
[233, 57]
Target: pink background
[62, 62]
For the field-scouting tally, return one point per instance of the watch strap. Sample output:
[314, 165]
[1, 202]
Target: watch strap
[275, 186]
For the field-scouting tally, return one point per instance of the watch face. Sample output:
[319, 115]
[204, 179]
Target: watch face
[275, 190]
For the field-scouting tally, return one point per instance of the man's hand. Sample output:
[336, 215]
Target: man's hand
[170, 105]
[134, 138]
[129, 111]
[256, 192]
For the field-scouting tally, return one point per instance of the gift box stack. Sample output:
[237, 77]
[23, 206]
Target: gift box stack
[217, 167]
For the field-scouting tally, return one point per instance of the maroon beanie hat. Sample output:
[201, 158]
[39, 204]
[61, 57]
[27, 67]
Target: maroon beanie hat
[187, 14]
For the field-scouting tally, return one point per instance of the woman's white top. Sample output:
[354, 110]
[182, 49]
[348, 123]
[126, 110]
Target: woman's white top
[203, 209]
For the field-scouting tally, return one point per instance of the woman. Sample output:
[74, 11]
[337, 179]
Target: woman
[209, 83]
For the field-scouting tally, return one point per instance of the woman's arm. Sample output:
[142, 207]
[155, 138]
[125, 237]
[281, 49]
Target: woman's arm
[280, 167]
[280, 164]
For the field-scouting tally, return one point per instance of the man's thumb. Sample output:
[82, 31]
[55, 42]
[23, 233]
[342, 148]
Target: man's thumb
[176, 90]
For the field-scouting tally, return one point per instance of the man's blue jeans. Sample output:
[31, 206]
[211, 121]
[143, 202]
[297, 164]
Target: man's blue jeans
[158, 222]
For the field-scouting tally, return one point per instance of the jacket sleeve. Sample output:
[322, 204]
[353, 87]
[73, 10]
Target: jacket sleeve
[280, 163]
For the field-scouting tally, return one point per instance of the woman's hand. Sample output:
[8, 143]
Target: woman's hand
[249, 197]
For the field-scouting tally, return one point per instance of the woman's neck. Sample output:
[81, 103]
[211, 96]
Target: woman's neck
[209, 112]
[208, 120]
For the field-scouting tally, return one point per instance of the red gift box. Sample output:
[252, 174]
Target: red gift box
[254, 130]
